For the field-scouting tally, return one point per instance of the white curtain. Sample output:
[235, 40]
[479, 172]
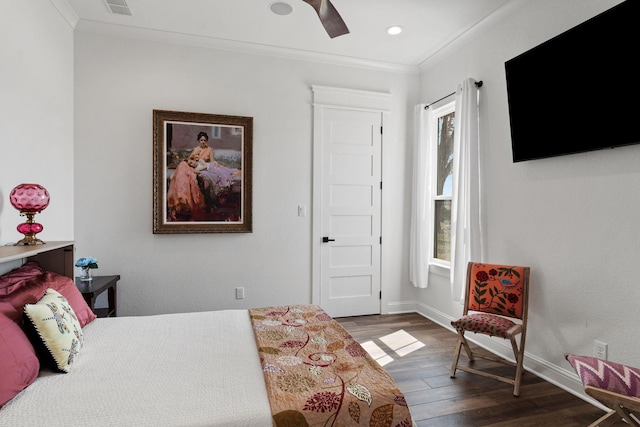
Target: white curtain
[420, 237]
[466, 231]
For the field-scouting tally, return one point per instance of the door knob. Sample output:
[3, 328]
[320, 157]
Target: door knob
[326, 239]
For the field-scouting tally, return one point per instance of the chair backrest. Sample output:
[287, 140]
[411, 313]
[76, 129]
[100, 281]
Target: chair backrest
[497, 289]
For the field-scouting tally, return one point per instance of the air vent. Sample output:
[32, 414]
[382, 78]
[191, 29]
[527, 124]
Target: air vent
[119, 7]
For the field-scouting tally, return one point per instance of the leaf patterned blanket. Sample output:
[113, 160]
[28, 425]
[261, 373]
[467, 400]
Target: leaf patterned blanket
[317, 375]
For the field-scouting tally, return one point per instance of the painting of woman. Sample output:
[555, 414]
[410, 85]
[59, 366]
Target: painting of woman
[187, 196]
[184, 197]
[202, 186]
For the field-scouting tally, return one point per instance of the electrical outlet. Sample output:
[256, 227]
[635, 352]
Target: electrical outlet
[240, 293]
[600, 349]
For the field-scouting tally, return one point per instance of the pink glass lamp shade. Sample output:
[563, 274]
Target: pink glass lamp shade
[29, 199]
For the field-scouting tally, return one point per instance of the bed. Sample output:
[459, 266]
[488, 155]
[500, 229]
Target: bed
[271, 366]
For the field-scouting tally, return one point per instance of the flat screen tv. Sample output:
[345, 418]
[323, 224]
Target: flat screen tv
[579, 91]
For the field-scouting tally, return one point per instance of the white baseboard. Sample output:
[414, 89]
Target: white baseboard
[397, 307]
[560, 376]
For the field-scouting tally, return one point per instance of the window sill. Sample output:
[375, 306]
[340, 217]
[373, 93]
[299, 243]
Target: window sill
[440, 269]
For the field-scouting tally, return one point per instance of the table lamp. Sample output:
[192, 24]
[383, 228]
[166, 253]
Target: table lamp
[29, 199]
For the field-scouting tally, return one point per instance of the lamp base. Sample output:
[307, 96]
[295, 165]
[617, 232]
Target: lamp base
[29, 240]
[29, 229]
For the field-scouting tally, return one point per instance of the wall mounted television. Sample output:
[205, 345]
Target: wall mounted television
[579, 91]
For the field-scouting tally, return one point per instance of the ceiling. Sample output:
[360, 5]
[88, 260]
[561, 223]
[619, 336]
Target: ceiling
[430, 27]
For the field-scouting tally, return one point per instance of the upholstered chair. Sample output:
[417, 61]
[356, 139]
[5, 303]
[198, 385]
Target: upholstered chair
[495, 304]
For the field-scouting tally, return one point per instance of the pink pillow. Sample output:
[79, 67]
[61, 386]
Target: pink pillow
[19, 364]
[30, 290]
[607, 375]
[16, 275]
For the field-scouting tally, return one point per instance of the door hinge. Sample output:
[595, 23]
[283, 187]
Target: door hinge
[381, 185]
[380, 130]
[380, 294]
[380, 239]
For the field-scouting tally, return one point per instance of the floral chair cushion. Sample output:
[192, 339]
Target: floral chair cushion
[606, 375]
[496, 289]
[54, 330]
[485, 324]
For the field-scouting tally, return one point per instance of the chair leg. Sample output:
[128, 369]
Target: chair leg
[462, 342]
[606, 420]
[625, 414]
[456, 357]
[519, 355]
[466, 346]
[518, 378]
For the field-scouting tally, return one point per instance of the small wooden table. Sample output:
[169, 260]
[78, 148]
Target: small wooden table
[91, 289]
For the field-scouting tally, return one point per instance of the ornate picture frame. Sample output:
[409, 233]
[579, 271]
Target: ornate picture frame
[202, 173]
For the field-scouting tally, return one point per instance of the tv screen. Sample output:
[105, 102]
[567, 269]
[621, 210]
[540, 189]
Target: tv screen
[579, 91]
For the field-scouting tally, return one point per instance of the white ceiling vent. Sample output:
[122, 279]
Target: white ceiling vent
[119, 7]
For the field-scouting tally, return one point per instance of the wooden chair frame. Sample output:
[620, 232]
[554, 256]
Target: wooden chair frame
[622, 407]
[518, 348]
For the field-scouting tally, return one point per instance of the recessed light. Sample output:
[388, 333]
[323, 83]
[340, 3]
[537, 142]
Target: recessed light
[394, 30]
[280, 8]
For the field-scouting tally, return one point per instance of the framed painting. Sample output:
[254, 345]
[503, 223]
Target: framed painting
[202, 176]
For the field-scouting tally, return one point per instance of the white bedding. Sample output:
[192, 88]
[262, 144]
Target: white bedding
[187, 369]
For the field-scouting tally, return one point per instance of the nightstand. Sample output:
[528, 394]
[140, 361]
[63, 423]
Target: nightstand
[91, 289]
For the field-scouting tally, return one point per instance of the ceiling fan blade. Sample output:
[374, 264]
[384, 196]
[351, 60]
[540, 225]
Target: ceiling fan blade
[329, 17]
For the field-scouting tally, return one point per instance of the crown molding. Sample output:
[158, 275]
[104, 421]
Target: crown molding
[124, 31]
[459, 40]
[67, 12]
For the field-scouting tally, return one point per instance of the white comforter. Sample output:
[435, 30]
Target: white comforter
[187, 369]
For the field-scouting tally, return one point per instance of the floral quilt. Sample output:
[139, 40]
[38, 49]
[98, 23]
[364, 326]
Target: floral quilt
[317, 375]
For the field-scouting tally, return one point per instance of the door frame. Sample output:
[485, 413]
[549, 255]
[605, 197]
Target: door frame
[349, 99]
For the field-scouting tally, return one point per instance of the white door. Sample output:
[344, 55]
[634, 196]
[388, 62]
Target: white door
[350, 209]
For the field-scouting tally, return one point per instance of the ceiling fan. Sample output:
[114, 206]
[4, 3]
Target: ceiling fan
[329, 17]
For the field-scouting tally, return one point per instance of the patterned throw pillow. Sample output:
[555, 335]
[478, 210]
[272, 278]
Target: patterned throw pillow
[607, 375]
[54, 330]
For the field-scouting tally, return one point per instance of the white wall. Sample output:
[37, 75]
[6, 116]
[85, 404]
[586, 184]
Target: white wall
[119, 82]
[573, 219]
[36, 114]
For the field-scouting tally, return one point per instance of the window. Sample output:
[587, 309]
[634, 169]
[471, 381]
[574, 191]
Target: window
[216, 132]
[443, 120]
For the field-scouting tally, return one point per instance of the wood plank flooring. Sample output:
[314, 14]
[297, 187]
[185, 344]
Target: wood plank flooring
[436, 400]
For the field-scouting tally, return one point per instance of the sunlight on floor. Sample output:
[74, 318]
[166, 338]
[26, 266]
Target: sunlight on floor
[377, 353]
[401, 342]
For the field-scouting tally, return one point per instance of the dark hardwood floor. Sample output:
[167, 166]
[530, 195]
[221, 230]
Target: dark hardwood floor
[468, 400]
